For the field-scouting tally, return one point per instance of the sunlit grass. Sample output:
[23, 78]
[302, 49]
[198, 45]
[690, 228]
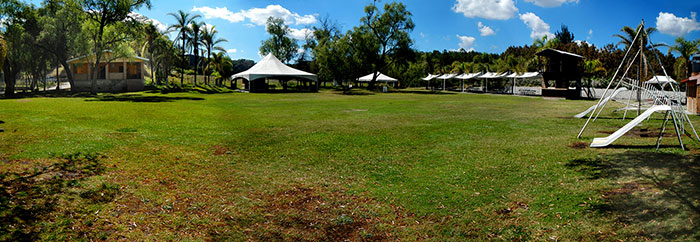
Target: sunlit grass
[324, 166]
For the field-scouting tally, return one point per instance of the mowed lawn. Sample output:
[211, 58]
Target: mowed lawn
[331, 167]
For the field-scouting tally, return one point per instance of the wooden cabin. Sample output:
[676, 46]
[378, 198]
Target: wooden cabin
[122, 74]
[563, 68]
[691, 91]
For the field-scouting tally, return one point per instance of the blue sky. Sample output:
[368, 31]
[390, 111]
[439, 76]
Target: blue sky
[482, 25]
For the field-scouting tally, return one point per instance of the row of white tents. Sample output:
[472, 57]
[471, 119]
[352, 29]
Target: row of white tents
[484, 76]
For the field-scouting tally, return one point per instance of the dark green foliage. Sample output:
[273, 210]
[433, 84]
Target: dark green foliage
[564, 36]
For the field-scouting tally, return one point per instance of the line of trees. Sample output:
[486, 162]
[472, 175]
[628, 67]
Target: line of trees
[36, 39]
[381, 43]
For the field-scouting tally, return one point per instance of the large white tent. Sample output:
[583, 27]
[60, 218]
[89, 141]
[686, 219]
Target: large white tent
[661, 81]
[380, 78]
[271, 67]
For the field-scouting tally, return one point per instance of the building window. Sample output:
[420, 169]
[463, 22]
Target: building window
[133, 71]
[80, 68]
[116, 68]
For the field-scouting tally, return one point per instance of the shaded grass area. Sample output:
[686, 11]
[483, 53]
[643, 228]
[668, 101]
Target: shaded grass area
[323, 166]
[655, 194]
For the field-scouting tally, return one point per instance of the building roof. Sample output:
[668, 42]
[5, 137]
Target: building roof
[270, 66]
[380, 78]
[105, 51]
[554, 52]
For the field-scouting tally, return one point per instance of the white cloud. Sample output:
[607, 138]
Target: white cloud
[668, 23]
[232, 51]
[257, 16]
[466, 42]
[299, 34]
[590, 34]
[422, 35]
[539, 28]
[550, 3]
[488, 9]
[485, 30]
[222, 13]
[141, 18]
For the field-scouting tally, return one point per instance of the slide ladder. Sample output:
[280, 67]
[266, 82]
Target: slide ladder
[584, 113]
[602, 142]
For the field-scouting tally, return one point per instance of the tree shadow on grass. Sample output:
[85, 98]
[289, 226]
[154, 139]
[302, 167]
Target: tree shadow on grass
[426, 92]
[140, 98]
[657, 193]
[28, 198]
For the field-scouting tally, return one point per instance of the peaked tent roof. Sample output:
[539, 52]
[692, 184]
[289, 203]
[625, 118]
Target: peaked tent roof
[493, 75]
[525, 75]
[380, 78]
[661, 80]
[429, 77]
[467, 76]
[447, 76]
[270, 66]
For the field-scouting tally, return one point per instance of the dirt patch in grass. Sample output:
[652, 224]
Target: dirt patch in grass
[578, 145]
[304, 213]
[221, 150]
[643, 132]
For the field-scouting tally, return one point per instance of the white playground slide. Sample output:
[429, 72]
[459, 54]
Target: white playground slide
[602, 142]
[584, 113]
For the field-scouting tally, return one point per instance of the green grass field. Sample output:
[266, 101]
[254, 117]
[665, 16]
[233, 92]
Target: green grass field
[325, 166]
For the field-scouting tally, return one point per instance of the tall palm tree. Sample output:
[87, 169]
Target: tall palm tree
[183, 21]
[686, 48]
[627, 37]
[196, 35]
[211, 42]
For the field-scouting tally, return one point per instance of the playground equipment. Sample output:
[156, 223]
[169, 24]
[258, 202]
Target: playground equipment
[648, 96]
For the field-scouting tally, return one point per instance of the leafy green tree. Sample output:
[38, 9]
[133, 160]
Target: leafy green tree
[389, 29]
[183, 21]
[686, 48]
[61, 33]
[110, 25]
[279, 43]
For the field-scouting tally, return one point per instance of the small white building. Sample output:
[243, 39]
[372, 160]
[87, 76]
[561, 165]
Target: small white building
[123, 74]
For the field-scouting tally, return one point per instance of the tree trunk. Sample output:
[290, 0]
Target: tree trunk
[69, 74]
[10, 79]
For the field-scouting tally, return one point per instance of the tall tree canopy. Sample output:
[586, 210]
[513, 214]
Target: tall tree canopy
[564, 35]
[686, 48]
[390, 30]
[182, 24]
[111, 22]
[280, 43]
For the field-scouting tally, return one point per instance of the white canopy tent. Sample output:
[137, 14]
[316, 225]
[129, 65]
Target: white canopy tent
[523, 76]
[661, 81]
[269, 67]
[467, 76]
[430, 77]
[446, 77]
[491, 75]
[380, 78]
